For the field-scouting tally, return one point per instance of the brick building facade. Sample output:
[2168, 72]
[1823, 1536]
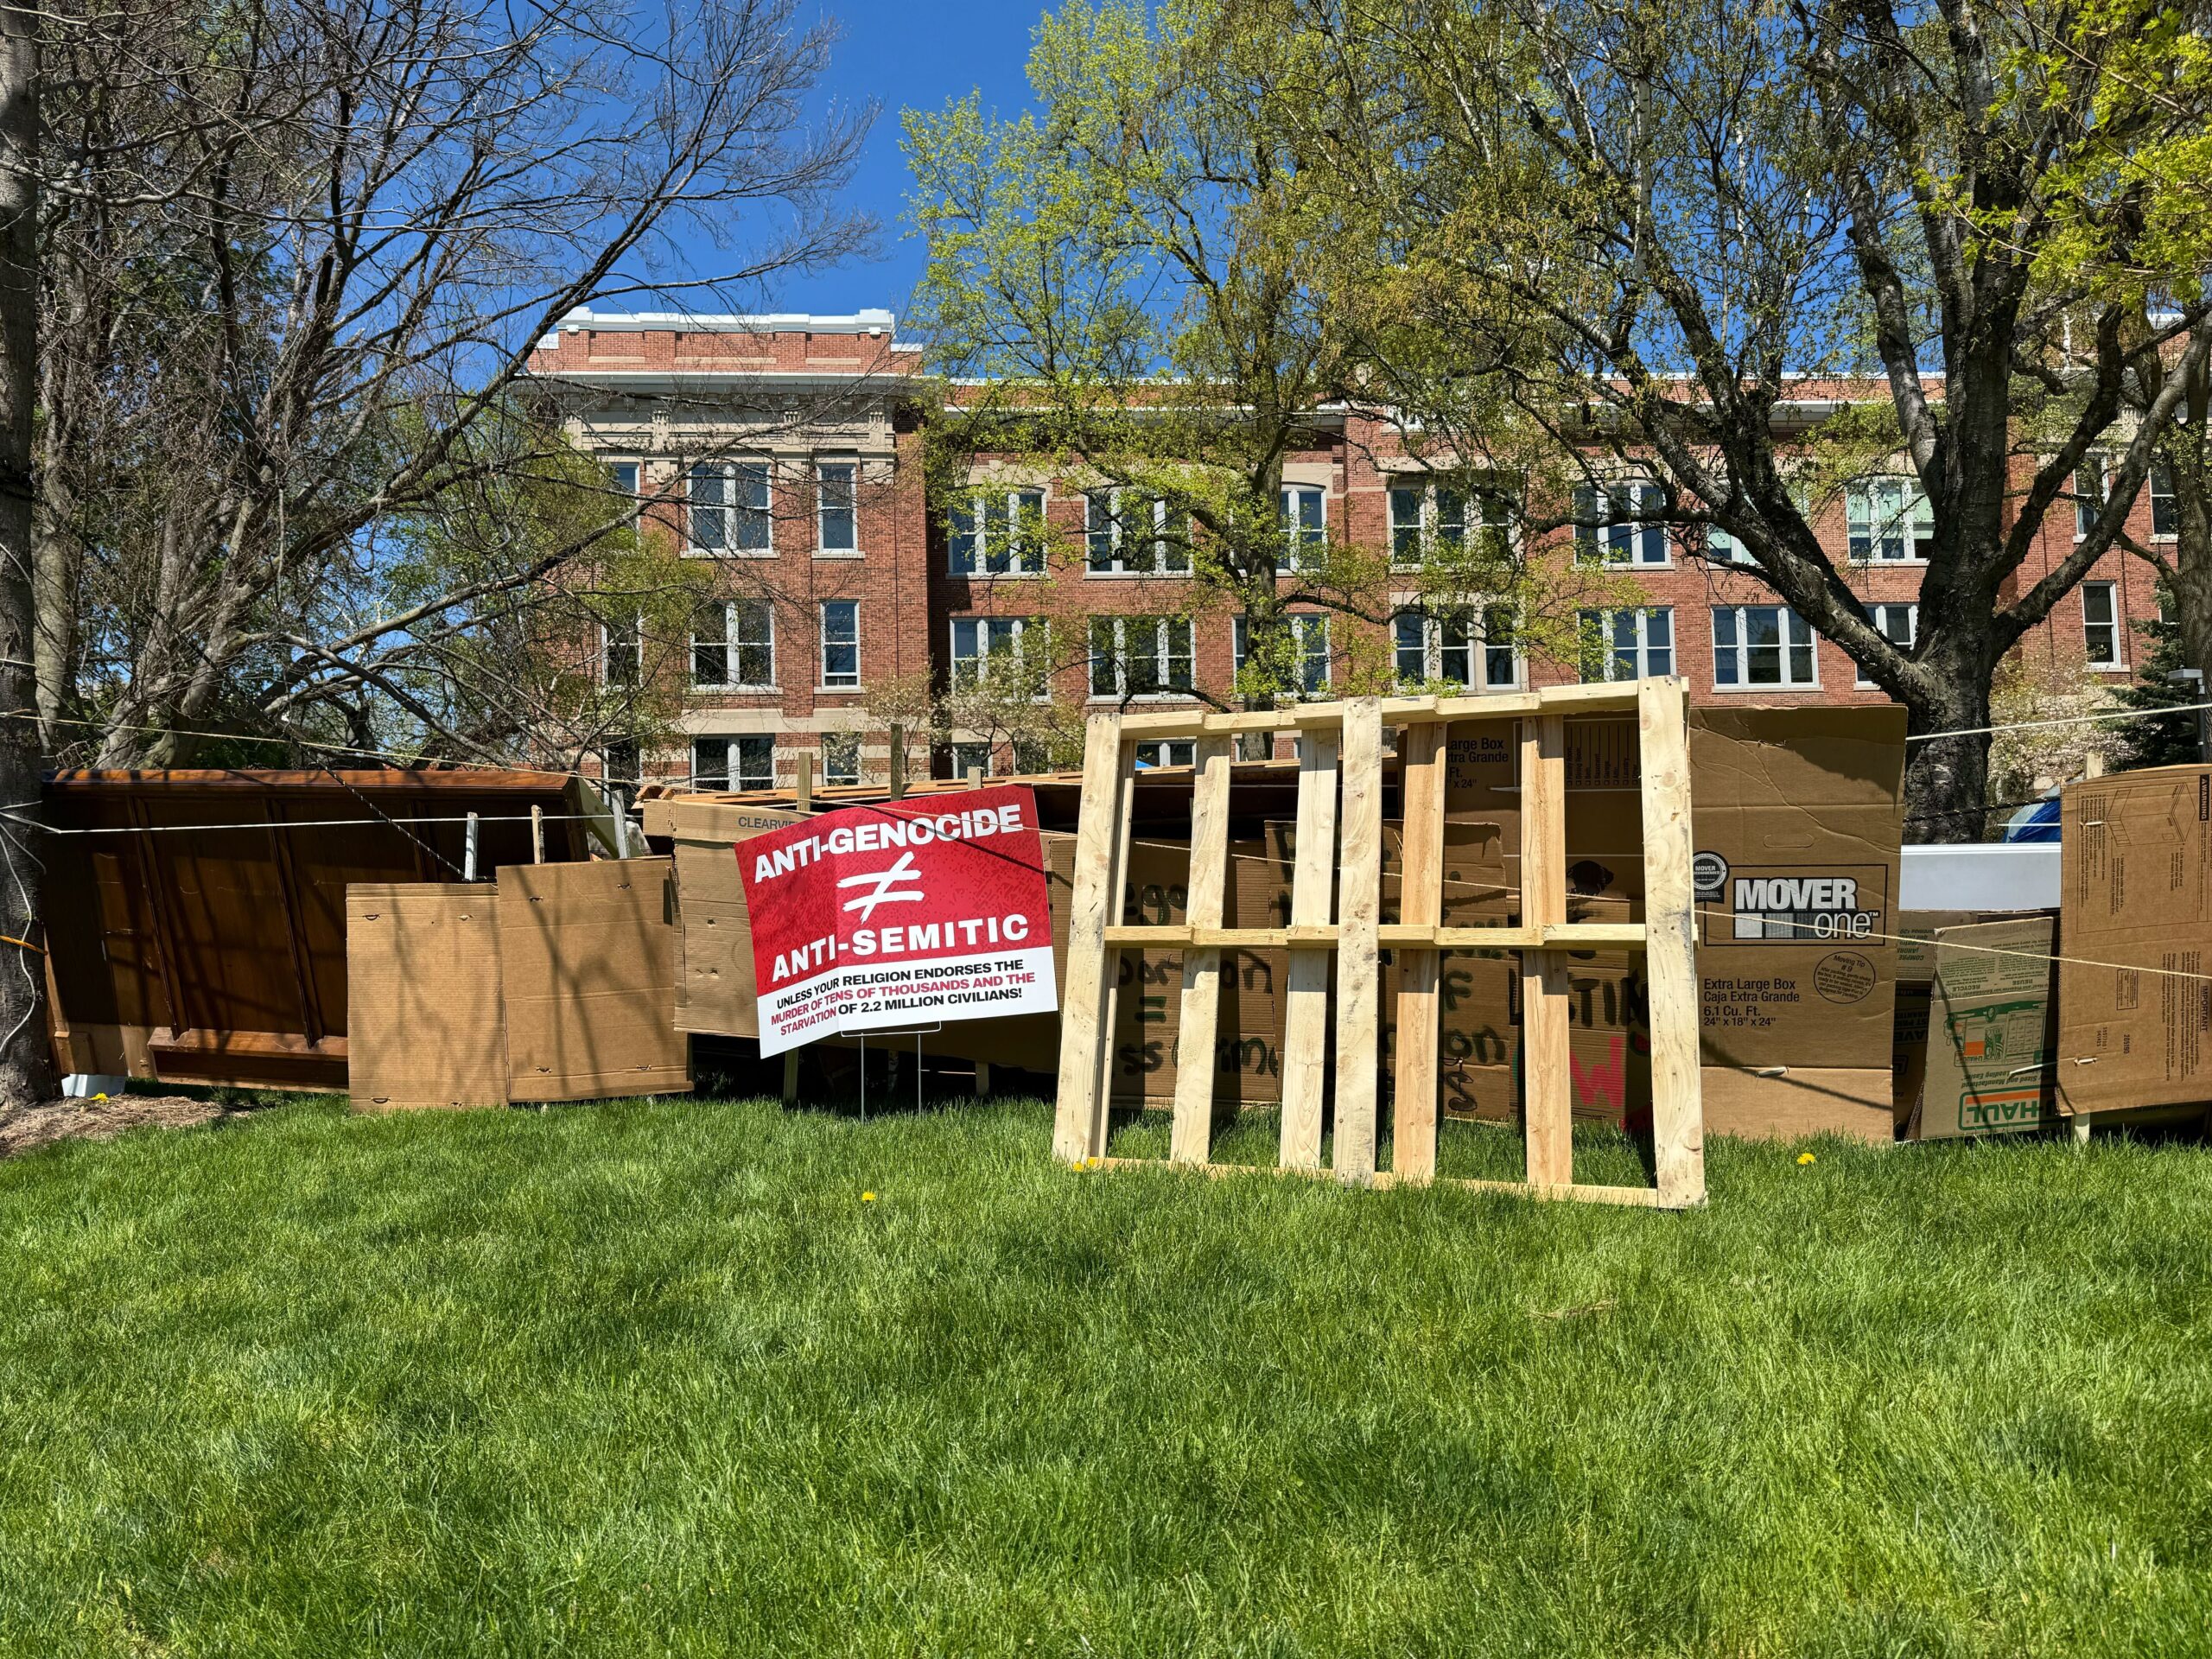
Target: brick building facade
[788, 451]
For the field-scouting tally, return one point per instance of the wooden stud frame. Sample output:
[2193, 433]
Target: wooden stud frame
[1339, 868]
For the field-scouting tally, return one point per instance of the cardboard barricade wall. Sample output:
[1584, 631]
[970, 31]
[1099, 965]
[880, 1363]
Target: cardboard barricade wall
[1798, 981]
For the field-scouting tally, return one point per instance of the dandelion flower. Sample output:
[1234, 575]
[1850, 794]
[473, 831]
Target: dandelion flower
[1805, 1158]
[868, 1197]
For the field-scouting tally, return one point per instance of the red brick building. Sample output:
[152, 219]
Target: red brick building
[788, 450]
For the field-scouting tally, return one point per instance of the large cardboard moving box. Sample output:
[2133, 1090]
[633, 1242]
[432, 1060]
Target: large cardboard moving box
[2135, 991]
[1798, 816]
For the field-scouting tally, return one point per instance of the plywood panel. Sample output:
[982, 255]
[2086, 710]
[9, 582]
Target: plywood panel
[587, 957]
[428, 1028]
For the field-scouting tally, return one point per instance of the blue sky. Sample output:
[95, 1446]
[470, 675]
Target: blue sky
[922, 53]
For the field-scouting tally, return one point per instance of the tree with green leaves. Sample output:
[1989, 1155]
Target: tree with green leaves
[1679, 233]
[1125, 289]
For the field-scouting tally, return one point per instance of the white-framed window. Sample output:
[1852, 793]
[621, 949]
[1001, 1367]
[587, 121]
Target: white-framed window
[623, 478]
[1309, 632]
[733, 762]
[734, 646]
[2165, 511]
[837, 485]
[1762, 644]
[1142, 656]
[1030, 754]
[997, 533]
[1722, 548]
[841, 757]
[1126, 533]
[1628, 535]
[980, 642]
[1305, 519]
[1626, 645]
[1888, 521]
[1475, 649]
[971, 757]
[727, 507]
[2089, 496]
[840, 645]
[1168, 752]
[622, 651]
[2101, 623]
[1429, 516]
[1899, 624]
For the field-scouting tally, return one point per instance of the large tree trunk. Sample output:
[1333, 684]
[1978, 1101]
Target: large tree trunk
[1947, 779]
[26, 1064]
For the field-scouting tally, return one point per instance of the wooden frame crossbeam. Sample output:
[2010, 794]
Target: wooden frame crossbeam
[1336, 907]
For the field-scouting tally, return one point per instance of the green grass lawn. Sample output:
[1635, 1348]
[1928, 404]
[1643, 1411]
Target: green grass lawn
[654, 1378]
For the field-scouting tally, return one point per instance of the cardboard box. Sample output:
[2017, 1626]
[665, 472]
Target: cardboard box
[2134, 998]
[1991, 1027]
[1797, 814]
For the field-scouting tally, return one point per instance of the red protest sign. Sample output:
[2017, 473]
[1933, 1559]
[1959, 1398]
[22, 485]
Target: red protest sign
[898, 915]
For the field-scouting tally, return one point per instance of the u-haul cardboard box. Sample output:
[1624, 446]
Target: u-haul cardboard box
[2135, 992]
[1990, 1030]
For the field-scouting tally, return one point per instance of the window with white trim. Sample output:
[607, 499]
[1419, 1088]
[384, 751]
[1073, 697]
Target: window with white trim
[1142, 656]
[971, 757]
[727, 507]
[1427, 517]
[1627, 643]
[1309, 635]
[840, 643]
[1305, 519]
[1888, 521]
[1168, 752]
[622, 477]
[1127, 533]
[1722, 548]
[2089, 496]
[997, 533]
[2101, 623]
[1762, 644]
[622, 651]
[734, 646]
[733, 762]
[1898, 624]
[986, 646]
[2165, 511]
[836, 484]
[1476, 650]
[1627, 536]
[841, 757]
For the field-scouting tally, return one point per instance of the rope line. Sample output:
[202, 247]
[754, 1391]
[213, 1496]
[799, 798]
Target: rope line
[292, 823]
[2069, 720]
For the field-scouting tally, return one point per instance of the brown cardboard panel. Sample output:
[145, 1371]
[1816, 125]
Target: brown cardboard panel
[588, 954]
[2134, 1000]
[1990, 1030]
[427, 1027]
[1811, 1100]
